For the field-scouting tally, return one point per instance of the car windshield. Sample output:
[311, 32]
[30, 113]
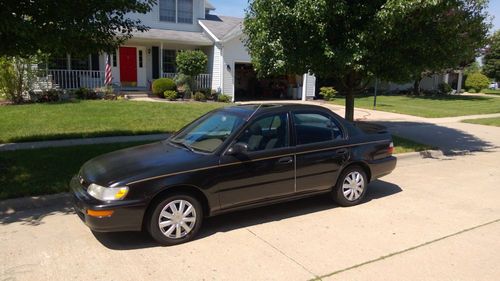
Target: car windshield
[209, 132]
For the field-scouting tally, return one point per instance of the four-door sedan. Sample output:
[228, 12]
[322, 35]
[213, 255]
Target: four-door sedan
[229, 159]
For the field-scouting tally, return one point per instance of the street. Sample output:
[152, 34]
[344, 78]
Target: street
[430, 219]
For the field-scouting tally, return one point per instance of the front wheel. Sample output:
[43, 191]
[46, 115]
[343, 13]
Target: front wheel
[351, 187]
[175, 220]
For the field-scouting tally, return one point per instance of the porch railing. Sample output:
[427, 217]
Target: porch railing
[75, 79]
[203, 81]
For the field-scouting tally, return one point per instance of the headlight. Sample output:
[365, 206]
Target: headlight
[107, 193]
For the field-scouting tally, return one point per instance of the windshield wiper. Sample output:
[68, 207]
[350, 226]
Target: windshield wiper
[183, 144]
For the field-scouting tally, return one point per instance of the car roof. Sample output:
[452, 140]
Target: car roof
[262, 108]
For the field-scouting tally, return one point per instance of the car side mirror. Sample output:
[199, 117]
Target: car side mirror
[238, 148]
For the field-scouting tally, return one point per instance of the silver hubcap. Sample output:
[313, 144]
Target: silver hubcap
[177, 219]
[353, 186]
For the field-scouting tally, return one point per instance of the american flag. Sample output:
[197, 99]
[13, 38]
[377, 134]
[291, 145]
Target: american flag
[109, 75]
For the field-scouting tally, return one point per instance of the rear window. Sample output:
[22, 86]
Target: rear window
[313, 127]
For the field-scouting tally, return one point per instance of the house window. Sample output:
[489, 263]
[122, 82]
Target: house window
[114, 59]
[59, 62]
[79, 62]
[185, 11]
[140, 59]
[178, 11]
[169, 61]
[168, 10]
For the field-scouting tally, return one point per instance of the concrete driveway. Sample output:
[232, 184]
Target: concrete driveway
[432, 219]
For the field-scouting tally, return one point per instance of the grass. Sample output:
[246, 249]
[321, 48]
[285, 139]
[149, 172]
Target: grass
[490, 92]
[431, 107]
[49, 170]
[402, 145]
[46, 170]
[81, 119]
[494, 121]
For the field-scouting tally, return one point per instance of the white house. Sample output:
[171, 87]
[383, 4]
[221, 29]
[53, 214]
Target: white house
[177, 25]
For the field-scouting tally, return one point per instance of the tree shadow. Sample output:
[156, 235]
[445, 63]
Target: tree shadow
[449, 140]
[247, 218]
[14, 213]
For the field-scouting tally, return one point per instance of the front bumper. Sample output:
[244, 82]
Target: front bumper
[127, 214]
[382, 167]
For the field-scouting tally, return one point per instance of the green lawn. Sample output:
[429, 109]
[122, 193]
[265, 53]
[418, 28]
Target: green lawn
[402, 145]
[490, 92]
[46, 170]
[79, 119]
[495, 121]
[49, 170]
[443, 106]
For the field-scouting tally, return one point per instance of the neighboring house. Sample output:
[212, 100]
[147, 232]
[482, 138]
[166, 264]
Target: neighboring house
[175, 26]
[429, 83]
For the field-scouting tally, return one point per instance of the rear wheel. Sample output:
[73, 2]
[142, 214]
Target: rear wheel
[176, 219]
[351, 187]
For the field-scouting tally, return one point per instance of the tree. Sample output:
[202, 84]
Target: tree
[67, 26]
[432, 37]
[191, 63]
[353, 41]
[491, 60]
[477, 81]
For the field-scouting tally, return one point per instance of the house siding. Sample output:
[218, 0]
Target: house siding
[217, 68]
[152, 18]
[234, 52]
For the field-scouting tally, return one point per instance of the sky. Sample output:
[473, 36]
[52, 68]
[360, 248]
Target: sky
[236, 8]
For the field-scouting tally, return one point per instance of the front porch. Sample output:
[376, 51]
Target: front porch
[133, 66]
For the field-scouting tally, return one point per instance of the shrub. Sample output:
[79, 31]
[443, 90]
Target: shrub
[170, 95]
[50, 95]
[86, 94]
[223, 98]
[161, 85]
[17, 77]
[328, 93]
[477, 81]
[199, 96]
[472, 91]
[106, 92]
[445, 88]
[191, 63]
[185, 84]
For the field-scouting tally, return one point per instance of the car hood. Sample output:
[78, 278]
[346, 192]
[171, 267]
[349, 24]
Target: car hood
[140, 162]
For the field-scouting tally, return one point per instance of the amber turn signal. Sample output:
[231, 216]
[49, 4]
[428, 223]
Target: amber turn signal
[100, 214]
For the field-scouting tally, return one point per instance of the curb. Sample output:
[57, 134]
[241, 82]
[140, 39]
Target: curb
[10, 206]
[83, 141]
[435, 154]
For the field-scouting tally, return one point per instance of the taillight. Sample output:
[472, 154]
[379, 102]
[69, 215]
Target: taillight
[390, 150]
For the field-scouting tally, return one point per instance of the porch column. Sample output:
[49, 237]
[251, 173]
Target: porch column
[304, 86]
[161, 59]
[460, 78]
[446, 78]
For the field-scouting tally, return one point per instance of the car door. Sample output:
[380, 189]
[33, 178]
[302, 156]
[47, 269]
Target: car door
[266, 171]
[320, 150]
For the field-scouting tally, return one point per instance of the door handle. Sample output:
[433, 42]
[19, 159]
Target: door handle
[341, 151]
[285, 160]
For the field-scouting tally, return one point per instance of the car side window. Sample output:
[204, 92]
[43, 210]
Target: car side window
[315, 127]
[266, 133]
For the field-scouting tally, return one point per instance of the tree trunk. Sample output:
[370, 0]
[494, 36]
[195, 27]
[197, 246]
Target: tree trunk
[349, 104]
[416, 86]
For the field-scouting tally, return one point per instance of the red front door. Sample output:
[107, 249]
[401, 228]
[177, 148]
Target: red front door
[128, 66]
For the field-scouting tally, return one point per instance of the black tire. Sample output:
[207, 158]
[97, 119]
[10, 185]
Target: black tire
[338, 193]
[153, 226]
